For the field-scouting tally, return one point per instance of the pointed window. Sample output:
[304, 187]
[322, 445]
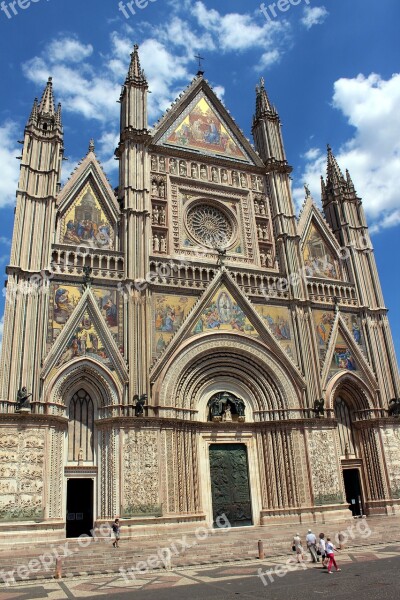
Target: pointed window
[345, 428]
[81, 427]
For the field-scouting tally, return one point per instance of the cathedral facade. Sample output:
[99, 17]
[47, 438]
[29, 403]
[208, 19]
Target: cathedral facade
[184, 346]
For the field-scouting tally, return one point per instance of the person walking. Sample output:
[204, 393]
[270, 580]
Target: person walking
[330, 550]
[322, 549]
[312, 545]
[297, 547]
[116, 528]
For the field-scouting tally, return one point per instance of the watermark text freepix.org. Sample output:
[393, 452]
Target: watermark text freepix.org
[132, 6]
[270, 11]
[10, 9]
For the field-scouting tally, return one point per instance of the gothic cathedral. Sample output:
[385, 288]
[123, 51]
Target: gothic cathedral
[184, 346]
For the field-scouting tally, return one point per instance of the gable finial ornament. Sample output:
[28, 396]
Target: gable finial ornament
[91, 145]
[307, 190]
[87, 279]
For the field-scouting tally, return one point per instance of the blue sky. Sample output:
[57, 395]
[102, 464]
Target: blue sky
[330, 66]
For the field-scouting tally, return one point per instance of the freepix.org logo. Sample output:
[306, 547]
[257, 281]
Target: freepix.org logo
[270, 12]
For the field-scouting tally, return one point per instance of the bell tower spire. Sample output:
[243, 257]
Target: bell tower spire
[134, 198]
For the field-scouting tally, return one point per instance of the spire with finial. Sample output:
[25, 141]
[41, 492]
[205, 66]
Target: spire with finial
[334, 176]
[136, 74]
[263, 105]
[46, 105]
[34, 113]
[58, 116]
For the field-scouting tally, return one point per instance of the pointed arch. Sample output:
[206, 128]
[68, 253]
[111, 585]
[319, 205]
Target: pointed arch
[205, 364]
[87, 374]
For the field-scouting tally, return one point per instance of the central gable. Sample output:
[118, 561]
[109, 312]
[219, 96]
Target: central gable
[201, 129]
[200, 123]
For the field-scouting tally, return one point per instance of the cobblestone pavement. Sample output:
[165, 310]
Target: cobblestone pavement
[110, 585]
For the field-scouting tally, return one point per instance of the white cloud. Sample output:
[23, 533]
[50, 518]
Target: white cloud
[9, 150]
[235, 32]
[314, 16]
[372, 154]
[69, 49]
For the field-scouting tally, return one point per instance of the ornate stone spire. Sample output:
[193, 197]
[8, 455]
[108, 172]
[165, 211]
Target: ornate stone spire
[135, 74]
[263, 105]
[46, 105]
[58, 116]
[334, 176]
[34, 113]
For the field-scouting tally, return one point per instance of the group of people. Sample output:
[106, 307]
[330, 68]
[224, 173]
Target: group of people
[321, 549]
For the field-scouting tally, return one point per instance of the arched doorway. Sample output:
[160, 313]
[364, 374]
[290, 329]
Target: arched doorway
[350, 456]
[80, 461]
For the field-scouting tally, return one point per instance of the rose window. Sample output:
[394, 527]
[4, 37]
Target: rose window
[209, 226]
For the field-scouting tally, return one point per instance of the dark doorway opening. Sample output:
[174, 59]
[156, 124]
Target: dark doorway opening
[230, 487]
[352, 486]
[79, 507]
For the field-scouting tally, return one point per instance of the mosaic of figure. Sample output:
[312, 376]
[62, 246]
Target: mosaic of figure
[169, 314]
[202, 129]
[87, 224]
[85, 342]
[223, 313]
[318, 259]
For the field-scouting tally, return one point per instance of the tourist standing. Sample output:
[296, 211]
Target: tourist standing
[322, 549]
[297, 547]
[330, 550]
[116, 533]
[312, 545]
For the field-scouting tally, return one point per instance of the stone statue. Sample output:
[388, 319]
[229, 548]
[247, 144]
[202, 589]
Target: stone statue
[87, 279]
[235, 178]
[214, 175]
[182, 168]
[172, 166]
[163, 244]
[140, 402]
[156, 243]
[162, 164]
[153, 163]
[162, 216]
[154, 188]
[203, 172]
[162, 189]
[228, 413]
[156, 214]
[319, 408]
[23, 402]
[262, 208]
[394, 407]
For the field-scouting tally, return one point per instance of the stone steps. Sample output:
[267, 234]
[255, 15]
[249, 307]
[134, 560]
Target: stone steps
[219, 546]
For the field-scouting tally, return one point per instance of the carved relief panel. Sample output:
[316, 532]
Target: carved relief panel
[22, 453]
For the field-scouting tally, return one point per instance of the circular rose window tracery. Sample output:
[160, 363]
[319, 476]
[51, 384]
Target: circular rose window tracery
[209, 226]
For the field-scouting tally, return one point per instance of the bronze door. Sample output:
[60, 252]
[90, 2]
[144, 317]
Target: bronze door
[230, 486]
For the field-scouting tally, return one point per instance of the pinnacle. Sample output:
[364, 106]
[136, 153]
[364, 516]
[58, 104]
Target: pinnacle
[135, 73]
[46, 105]
[34, 113]
[334, 175]
[263, 105]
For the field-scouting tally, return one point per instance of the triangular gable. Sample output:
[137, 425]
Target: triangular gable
[224, 308]
[87, 208]
[86, 335]
[199, 123]
[321, 251]
[345, 354]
